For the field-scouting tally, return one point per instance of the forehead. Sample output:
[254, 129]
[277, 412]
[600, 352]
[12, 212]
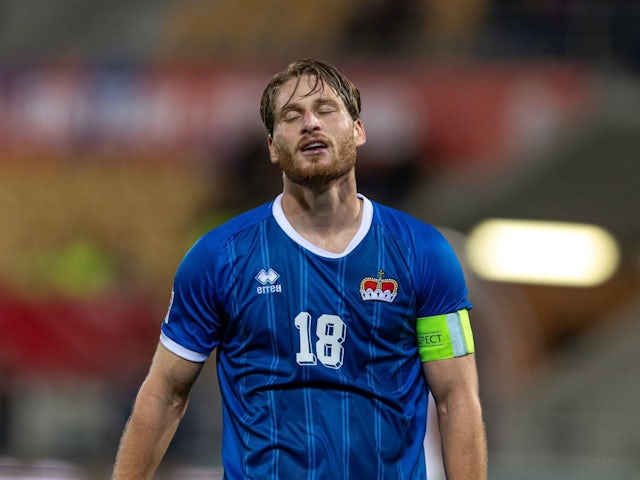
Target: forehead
[308, 88]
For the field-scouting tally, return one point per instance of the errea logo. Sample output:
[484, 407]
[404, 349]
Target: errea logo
[267, 277]
[267, 280]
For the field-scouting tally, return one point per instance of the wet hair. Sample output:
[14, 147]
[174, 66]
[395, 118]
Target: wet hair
[323, 74]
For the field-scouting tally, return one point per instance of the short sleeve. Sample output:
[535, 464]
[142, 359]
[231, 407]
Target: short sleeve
[438, 276]
[193, 326]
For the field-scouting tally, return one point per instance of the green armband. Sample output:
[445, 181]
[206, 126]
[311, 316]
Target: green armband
[444, 336]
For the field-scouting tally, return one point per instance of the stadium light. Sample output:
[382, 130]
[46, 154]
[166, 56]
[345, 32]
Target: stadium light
[551, 253]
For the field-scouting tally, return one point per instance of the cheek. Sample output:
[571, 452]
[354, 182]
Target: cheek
[279, 152]
[280, 137]
[346, 124]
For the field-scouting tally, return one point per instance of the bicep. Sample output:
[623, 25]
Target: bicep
[170, 376]
[454, 384]
[452, 376]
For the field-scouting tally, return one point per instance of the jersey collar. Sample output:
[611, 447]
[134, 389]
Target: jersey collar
[365, 225]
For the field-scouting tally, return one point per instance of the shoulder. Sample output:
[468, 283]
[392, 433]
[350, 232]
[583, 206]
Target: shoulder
[437, 273]
[239, 223]
[208, 247]
[406, 227]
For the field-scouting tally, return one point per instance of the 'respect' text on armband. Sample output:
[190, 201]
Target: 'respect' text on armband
[444, 336]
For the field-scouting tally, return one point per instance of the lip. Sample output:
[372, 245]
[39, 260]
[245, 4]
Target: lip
[304, 145]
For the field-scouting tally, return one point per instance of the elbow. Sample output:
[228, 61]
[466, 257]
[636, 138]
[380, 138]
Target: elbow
[468, 402]
[180, 406]
[170, 400]
[177, 402]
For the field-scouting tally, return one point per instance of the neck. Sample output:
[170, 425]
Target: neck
[329, 217]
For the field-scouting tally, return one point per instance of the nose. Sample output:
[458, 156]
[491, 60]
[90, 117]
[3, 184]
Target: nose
[310, 122]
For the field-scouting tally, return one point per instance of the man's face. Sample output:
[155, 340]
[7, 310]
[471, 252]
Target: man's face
[314, 138]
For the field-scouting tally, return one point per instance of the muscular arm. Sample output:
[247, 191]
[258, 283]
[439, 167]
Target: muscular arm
[454, 384]
[158, 409]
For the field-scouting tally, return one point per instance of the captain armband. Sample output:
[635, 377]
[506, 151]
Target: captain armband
[444, 336]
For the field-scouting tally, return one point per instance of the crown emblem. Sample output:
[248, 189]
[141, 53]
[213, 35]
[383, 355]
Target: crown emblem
[383, 289]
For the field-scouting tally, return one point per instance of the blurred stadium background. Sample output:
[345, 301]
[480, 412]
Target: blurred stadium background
[128, 128]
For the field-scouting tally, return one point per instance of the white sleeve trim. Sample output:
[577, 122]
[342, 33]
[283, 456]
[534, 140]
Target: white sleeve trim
[182, 352]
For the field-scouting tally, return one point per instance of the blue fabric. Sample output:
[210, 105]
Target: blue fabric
[316, 382]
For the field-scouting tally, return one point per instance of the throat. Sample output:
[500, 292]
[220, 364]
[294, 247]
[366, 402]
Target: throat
[332, 233]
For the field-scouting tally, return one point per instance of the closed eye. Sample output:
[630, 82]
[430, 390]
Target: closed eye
[291, 116]
[325, 107]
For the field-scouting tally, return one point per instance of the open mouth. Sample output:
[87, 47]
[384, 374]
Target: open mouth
[314, 146]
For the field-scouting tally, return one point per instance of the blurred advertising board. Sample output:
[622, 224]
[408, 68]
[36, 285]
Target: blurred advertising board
[447, 114]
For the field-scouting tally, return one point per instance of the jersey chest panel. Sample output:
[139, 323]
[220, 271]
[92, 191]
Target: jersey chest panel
[301, 317]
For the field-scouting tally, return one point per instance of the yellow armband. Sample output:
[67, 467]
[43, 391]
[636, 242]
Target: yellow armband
[444, 336]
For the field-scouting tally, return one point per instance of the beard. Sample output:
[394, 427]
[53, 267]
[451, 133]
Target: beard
[318, 175]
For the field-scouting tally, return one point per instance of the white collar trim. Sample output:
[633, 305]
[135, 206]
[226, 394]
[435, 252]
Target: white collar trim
[365, 225]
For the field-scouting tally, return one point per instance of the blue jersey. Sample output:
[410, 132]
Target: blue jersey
[317, 355]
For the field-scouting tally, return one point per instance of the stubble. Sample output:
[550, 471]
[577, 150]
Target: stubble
[318, 175]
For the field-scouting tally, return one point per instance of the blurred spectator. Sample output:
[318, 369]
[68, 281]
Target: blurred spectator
[604, 33]
[382, 26]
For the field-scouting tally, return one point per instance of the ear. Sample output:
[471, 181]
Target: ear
[272, 150]
[359, 134]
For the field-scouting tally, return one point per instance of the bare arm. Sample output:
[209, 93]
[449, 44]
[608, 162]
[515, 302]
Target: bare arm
[158, 409]
[454, 384]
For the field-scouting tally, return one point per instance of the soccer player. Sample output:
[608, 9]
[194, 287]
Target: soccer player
[332, 317]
